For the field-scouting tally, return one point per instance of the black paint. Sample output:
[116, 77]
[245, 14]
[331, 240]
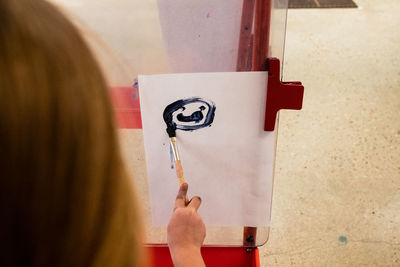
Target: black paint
[195, 117]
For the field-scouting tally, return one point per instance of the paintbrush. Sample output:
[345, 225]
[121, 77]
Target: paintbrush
[178, 165]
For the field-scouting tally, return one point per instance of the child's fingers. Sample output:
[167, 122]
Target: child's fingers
[195, 203]
[180, 198]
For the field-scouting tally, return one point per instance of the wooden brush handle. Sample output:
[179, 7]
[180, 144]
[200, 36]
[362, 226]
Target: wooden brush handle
[179, 172]
[181, 177]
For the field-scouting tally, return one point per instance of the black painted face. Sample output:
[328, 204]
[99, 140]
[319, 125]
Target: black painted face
[188, 114]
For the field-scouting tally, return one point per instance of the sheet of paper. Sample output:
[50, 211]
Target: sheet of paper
[229, 162]
[201, 35]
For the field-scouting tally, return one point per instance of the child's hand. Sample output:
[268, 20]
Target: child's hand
[186, 231]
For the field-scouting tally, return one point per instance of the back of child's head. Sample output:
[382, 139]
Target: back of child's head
[65, 196]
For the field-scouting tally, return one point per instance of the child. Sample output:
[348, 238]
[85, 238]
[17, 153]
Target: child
[66, 198]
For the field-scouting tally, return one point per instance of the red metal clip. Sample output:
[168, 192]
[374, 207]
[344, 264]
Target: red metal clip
[280, 95]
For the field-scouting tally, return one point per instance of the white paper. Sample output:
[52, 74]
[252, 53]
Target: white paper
[201, 35]
[229, 164]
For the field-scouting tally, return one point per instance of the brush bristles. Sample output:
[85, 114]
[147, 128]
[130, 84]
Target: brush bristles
[171, 132]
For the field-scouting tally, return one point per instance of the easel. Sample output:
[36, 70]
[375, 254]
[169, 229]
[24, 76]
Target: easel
[253, 55]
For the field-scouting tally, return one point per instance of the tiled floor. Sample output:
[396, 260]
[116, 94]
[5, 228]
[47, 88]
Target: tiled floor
[337, 183]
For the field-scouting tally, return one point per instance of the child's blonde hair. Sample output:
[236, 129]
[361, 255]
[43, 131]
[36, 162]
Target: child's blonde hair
[66, 198]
